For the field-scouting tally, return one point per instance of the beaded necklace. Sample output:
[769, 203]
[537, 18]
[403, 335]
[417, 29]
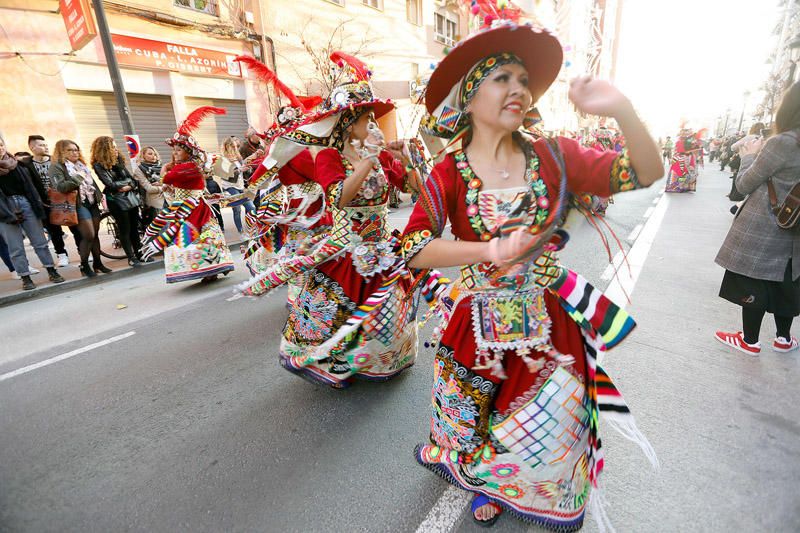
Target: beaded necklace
[474, 184]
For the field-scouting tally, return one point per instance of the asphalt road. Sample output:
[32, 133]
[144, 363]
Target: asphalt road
[190, 424]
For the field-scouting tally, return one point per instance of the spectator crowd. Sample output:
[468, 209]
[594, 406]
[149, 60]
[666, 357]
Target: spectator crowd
[45, 197]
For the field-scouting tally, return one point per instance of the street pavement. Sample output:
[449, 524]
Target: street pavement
[180, 418]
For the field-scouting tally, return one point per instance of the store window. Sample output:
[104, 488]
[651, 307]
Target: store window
[445, 27]
[206, 6]
[414, 12]
[377, 4]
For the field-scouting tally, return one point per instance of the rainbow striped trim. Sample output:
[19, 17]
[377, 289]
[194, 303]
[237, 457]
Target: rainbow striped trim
[589, 307]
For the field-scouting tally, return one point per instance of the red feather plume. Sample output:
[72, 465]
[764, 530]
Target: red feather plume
[196, 117]
[268, 76]
[359, 67]
[310, 102]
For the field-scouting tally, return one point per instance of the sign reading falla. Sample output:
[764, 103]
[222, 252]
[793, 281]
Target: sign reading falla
[150, 54]
[78, 21]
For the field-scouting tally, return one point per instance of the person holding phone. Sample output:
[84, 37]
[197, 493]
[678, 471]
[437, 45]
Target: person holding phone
[762, 260]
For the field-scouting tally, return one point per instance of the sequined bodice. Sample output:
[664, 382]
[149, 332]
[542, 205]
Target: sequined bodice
[361, 225]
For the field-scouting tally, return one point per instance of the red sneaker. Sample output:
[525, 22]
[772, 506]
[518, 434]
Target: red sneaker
[783, 345]
[736, 341]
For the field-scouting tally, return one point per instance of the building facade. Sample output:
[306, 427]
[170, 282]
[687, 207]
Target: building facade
[175, 55]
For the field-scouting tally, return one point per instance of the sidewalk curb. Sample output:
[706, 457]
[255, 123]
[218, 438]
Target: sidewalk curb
[43, 291]
[50, 289]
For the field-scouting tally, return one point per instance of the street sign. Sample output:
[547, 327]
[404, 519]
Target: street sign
[150, 54]
[79, 22]
[134, 147]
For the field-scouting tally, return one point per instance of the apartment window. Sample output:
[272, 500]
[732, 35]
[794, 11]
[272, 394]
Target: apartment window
[445, 28]
[376, 4]
[206, 6]
[337, 2]
[414, 12]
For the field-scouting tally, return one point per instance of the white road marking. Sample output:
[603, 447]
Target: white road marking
[648, 212]
[635, 232]
[608, 273]
[656, 199]
[63, 356]
[625, 282]
[445, 514]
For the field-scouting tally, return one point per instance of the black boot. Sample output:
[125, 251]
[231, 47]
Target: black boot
[54, 276]
[27, 283]
[100, 267]
[87, 271]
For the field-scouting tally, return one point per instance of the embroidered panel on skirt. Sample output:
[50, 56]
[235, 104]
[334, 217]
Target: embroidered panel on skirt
[197, 256]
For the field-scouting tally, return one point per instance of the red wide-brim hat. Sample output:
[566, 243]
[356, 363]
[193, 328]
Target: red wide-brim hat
[537, 48]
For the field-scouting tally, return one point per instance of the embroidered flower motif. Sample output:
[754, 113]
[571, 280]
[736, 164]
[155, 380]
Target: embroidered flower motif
[512, 491]
[504, 470]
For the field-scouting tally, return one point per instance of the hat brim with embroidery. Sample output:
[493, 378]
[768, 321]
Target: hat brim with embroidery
[539, 51]
[183, 137]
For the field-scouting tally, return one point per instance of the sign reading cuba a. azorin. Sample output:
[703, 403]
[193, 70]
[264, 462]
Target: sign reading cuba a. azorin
[151, 54]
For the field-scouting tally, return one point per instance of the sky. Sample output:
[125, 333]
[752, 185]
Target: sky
[693, 59]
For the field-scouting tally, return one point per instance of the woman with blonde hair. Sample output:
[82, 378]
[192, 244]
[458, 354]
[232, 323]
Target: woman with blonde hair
[121, 194]
[69, 172]
[228, 172]
[148, 175]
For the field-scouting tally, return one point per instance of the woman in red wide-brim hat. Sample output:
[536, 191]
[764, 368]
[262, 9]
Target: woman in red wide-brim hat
[186, 230]
[517, 388]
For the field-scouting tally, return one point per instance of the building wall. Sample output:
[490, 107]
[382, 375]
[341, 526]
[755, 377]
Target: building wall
[397, 50]
[39, 94]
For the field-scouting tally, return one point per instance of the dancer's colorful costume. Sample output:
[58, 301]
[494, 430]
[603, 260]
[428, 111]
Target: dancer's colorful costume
[682, 175]
[517, 387]
[186, 230]
[354, 316]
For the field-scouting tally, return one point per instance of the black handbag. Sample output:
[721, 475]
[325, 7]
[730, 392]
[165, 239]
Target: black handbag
[126, 201]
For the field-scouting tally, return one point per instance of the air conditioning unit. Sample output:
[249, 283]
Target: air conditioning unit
[249, 18]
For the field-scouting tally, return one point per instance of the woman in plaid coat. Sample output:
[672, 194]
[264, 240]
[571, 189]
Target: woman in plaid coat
[761, 260]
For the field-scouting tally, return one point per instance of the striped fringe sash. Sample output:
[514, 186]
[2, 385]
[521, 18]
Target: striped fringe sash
[364, 311]
[590, 307]
[287, 268]
[163, 229]
[615, 411]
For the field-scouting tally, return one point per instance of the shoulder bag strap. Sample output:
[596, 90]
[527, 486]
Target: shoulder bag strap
[773, 197]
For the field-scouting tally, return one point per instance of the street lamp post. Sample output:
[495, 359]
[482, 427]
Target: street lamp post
[113, 69]
[744, 106]
[727, 117]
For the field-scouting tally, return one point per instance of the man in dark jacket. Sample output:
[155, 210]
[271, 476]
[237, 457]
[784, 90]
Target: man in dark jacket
[21, 213]
[38, 165]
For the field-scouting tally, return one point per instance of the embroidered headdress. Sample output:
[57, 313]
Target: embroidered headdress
[183, 137]
[459, 75]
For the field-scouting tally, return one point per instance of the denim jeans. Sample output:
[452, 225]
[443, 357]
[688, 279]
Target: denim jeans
[4, 254]
[237, 209]
[32, 226]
